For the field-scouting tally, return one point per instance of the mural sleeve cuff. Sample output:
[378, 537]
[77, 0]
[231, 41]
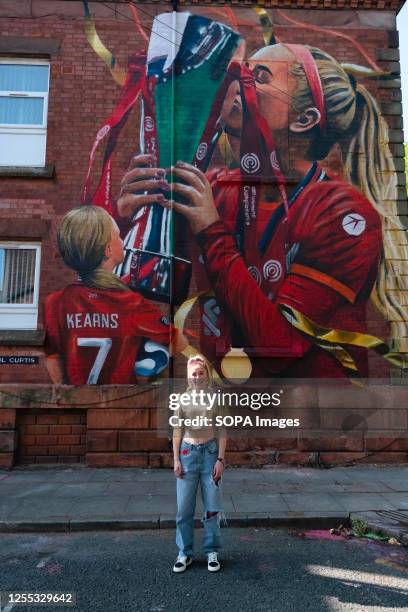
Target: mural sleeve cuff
[212, 231]
[218, 246]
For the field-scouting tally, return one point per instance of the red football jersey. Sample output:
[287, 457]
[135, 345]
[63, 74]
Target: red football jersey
[323, 264]
[97, 332]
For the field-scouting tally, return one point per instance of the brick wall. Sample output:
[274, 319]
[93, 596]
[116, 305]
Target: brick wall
[50, 436]
[124, 437]
[82, 95]
[124, 427]
[8, 437]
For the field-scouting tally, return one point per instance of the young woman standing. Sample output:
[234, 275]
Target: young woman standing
[199, 454]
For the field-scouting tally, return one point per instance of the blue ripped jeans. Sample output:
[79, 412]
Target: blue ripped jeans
[198, 462]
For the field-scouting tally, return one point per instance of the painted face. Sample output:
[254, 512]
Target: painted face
[197, 373]
[115, 245]
[275, 87]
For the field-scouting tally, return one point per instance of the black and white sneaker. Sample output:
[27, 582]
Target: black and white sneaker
[213, 563]
[182, 562]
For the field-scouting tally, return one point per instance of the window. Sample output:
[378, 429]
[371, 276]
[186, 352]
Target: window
[19, 283]
[23, 112]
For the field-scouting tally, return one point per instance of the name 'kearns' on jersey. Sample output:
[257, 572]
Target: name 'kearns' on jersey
[81, 320]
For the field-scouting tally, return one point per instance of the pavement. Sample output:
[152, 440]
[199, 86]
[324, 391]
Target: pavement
[78, 498]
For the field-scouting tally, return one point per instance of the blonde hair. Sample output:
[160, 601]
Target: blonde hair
[199, 357]
[82, 238]
[355, 121]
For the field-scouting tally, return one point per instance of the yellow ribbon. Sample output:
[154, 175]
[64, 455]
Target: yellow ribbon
[268, 32]
[331, 339]
[179, 322]
[118, 73]
[225, 150]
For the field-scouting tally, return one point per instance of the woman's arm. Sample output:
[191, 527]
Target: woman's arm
[178, 469]
[219, 465]
[332, 274]
[222, 445]
[260, 320]
[177, 437]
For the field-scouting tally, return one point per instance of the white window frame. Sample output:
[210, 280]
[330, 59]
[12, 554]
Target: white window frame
[28, 128]
[22, 316]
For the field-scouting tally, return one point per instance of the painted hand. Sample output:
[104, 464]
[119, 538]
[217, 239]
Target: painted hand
[140, 184]
[196, 191]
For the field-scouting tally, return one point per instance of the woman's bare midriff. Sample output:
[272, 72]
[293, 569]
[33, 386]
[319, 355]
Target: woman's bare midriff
[197, 440]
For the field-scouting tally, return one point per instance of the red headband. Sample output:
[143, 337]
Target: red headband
[307, 60]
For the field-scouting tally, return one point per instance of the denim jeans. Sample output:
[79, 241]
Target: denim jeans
[198, 462]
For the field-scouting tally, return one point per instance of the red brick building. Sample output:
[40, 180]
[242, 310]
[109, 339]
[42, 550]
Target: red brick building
[68, 93]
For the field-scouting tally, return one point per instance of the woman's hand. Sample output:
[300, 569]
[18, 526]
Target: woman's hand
[218, 470]
[178, 469]
[140, 185]
[200, 209]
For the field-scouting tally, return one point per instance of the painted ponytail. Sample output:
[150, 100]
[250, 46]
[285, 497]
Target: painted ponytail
[370, 166]
[355, 121]
[82, 238]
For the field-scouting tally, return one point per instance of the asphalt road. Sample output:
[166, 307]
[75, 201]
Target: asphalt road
[263, 570]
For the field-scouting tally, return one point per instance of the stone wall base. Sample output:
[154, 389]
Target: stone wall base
[118, 427]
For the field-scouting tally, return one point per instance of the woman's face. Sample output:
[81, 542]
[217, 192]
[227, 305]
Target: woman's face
[275, 87]
[197, 374]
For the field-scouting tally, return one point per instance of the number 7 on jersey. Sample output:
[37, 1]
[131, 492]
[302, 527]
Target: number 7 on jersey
[104, 345]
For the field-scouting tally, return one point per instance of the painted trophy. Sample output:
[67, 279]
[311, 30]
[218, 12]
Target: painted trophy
[182, 81]
[187, 65]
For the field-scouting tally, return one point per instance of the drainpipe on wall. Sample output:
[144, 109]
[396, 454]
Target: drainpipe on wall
[174, 4]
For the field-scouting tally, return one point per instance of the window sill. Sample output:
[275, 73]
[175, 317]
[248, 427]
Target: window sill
[25, 46]
[47, 171]
[22, 337]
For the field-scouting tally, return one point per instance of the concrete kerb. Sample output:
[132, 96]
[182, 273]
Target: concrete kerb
[34, 526]
[152, 522]
[149, 522]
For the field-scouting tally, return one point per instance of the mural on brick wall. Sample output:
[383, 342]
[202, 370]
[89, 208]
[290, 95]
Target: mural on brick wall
[261, 196]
